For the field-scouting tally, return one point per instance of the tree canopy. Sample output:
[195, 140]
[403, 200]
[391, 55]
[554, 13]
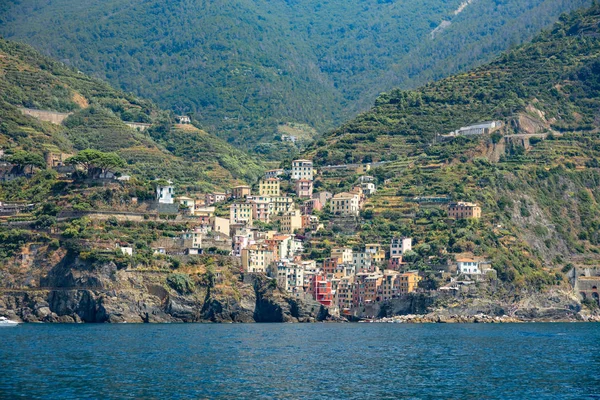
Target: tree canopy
[97, 163]
[23, 159]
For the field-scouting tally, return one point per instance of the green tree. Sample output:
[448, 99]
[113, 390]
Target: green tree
[97, 162]
[23, 159]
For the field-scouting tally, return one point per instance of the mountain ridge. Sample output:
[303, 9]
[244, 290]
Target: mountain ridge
[250, 66]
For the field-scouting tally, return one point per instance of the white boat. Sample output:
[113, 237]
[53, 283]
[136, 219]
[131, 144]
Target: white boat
[5, 322]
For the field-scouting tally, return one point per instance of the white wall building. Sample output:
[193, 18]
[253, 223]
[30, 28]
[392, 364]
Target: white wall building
[302, 169]
[467, 266]
[400, 246]
[164, 193]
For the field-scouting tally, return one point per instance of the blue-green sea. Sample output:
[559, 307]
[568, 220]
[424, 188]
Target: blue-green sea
[300, 361]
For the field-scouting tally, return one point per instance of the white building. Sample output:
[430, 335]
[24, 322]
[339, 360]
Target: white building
[128, 251]
[368, 188]
[197, 239]
[467, 266]
[274, 173]
[290, 276]
[241, 213]
[164, 193]
[302, 169]
[477, 129]
[400, 246]
[344, 255]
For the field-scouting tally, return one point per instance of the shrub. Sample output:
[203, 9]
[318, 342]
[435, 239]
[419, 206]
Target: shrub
[181, 283]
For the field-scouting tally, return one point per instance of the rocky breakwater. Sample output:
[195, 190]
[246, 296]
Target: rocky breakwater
[76, 290]
[435, 318]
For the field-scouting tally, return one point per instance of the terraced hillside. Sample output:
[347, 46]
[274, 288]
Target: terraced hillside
[94, 115]
[536, 177]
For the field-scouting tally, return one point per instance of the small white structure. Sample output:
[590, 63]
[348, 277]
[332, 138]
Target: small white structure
[274, 173]
[164, 193]
[477, 129]
[128, 251]
[184, 119]
[400, 246]
[467, 266]
[368, 188]
[197, 239]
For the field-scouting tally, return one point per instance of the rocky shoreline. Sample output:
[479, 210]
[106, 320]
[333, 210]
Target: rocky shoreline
[476, 319]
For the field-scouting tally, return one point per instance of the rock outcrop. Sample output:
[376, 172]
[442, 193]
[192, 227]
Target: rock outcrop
[79, 291]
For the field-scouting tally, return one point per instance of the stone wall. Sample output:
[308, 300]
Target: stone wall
[49, 116]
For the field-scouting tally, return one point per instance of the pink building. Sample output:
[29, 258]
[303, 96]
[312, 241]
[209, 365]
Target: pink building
[311, 205]
[395, 263]
[304, 188]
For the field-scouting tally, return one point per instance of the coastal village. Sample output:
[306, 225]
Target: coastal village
[271, 225]
[268, 230]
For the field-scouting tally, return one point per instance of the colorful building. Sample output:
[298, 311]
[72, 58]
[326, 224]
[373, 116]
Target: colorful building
[256, 258]
[241, 192]
[462, 210]
[240, 213]
[269, 187]
[304, 188]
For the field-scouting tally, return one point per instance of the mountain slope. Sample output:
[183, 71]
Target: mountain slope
[536, 177]
[95, 116]
[553, 78]
[244, 67]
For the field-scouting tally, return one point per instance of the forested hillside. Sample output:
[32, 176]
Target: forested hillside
[536, 177]
[95, 117]
[244, 68]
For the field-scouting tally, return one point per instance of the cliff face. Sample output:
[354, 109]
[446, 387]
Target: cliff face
[77, 291]
[554, 304]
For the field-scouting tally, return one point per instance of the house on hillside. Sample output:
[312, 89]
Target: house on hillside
[274, 173]
[164, 193]
[463, 210]
[304, 188]
[269, 187]
[241, 191]
[399, 246]
[345, 204]
[467, 266]
[183, 119]
[302, 169]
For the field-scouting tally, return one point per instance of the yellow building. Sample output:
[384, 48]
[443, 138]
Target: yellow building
[363, 169]
[239, 192]
[269, 187]
[256, 258]
[291, 221]
[282, 204]
[240, 213]
[409, 282]
[345, 204]
[376, 251]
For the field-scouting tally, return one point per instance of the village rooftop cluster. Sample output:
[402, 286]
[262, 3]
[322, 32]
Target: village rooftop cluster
[343, 282]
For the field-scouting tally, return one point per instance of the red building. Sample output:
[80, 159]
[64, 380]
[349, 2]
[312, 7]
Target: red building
[330, 265]
[321, 289]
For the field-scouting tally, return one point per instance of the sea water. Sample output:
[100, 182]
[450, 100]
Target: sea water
[293, 361]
